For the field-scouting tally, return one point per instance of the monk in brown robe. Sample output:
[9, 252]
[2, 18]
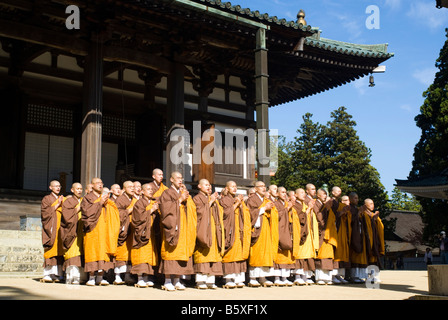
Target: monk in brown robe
[144, 254]
[326, 220]
[51, 207]
[125, 205]
[158, 188]
[178, 219]
[115, 192]
[304, 263]
[375, 232]
[310, 190]
[137, 189]
[97, 210]
[341, 252]
[358, 249]
[207, 257]
[72, 234]
[237, 225]
[289, 233]
[264, 241]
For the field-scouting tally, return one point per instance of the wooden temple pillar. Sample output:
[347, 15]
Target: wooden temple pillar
[175, 116]
[262, 106]
[203, 162]
[92, 115]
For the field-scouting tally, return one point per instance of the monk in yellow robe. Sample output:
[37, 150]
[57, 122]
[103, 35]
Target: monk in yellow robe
[264, 241]
[72, 234]
[125, 205]
[326, 221]
[143, 253]
[99, 216]
[207, 257]
[309, 239]
[178, 219]
[237, 234]
[289, 238]
[51, 208]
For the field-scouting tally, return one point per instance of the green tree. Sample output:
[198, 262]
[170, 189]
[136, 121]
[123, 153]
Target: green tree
[305, 154]
[346, 160]
[403, 201]
[431, 151]
[332, 155]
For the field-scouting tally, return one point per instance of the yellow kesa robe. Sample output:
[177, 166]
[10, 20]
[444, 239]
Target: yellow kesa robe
[309, 248]
[288, 256]
[186, 242]
[76, 249]
[212, 254]
[326, 250]
[112, 217]
[146, 253]
[342, 251]
[124, 251]
[159, 192]
[56, 249]
[264, 251]
[95, 242]
[241, 247]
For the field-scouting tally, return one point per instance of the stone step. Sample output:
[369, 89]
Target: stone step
[21, 252]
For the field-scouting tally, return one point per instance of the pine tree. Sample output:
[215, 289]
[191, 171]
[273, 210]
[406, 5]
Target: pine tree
[431, 151]
[305, 157]
[403, 201]
[346, 160]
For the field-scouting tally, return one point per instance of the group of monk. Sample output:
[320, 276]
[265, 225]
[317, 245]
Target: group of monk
[272, 236]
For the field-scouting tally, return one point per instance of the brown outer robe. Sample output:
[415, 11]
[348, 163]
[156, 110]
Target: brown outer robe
[170, 215]
[141, 222]
[253, 203]
[227, 203]
[69, 222]
[123, 202]
[204, 237]
[49, 221]
[284, 226]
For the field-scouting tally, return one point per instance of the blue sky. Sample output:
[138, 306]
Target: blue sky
[414, 31]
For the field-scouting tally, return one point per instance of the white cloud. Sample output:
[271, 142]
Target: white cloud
[407, 108]
[426, 13]
[393, 4]
[425, 76]
[361, 85]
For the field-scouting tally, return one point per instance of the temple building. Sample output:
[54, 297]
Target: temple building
[434, 186]
[96, 87]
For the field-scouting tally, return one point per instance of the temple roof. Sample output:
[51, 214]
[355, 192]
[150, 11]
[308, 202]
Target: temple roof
[215, 35]
[296, 72]
[430, 186]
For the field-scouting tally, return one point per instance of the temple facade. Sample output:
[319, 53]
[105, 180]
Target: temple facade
[97, 89]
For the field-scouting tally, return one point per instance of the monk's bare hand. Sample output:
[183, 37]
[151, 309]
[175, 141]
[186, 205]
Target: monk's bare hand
[104, 198]
[269, 206]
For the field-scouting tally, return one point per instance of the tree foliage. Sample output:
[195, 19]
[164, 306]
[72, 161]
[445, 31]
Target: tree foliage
[330, 154]
[431, 151]
[403, 201]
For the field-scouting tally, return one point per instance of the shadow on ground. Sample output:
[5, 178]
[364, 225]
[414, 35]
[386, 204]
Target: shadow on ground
[12, 293]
